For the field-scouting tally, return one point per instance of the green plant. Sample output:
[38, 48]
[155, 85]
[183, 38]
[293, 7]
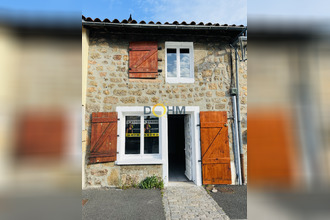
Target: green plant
[152, 182]
[208, 188]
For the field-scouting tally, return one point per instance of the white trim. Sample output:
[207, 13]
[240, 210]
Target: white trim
[162, 157]
[196, 147]
[177, 46]
[141, 158]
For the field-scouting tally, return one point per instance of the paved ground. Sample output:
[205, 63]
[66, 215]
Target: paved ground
[188, 201]
[122, 204]
[232, 199]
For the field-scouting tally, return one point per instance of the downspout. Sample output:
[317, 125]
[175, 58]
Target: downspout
[236, 142]
[239, 118]
[233, 94]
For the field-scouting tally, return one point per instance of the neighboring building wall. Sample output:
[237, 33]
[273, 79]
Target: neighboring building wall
[84, 61]
[108, 87]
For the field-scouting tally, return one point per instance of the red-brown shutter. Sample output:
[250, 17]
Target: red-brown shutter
[41, 134]
[215, 148]
[104, 137]
[143, 59]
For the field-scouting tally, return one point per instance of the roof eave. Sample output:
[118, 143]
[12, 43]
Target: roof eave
[164, 26]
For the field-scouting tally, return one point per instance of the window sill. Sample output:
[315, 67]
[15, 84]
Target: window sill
[138, 161]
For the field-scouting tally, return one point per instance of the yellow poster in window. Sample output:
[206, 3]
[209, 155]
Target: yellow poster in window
[145, 135]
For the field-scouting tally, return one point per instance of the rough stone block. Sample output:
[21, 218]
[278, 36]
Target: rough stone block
[99, 68]
[99, 172]
[128, 100]
[220, 106]
[213, 86]
[207, 73]
[92, 108]
[113, 178]
[209, 94]
[119, 92]
[111, 100]
[142, 100]
[117, 57]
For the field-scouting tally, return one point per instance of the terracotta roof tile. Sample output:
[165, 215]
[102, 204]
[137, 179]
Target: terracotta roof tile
[106, 20]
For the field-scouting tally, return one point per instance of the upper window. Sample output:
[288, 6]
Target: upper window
[179, 62]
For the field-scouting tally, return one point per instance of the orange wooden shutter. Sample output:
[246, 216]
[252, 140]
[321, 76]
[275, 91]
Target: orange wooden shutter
[273, 156]
[104, 137]
[215, 148]
[143, 59]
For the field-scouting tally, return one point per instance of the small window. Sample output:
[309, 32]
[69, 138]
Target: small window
[179, 62]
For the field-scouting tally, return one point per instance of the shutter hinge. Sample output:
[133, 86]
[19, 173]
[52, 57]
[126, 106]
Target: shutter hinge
[160, 59]
[198, 125]
[159, 48]
[117, 135]
[129, 68]
[160, 71]
[199, 160]
[118, 119]
[129, 49]
[117, 152]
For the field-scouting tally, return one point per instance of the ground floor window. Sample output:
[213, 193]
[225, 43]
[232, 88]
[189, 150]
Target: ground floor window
[140, 136]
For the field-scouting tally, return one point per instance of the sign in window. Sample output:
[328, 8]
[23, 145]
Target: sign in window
[149, 143]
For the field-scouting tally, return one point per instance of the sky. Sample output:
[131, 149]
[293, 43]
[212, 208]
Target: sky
[292, 9]
[42, 5]
[215, 11]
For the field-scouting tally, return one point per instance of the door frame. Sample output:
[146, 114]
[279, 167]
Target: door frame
[196, 147]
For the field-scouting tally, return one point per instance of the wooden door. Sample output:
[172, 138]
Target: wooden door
[215, 148]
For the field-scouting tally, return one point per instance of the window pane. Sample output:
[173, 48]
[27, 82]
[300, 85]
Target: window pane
[171, 63]
[133, 131]
[151, 135]
[184, 63]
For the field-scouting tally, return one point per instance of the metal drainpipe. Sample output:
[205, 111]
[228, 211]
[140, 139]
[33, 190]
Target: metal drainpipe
[239, 117]
[236, 143]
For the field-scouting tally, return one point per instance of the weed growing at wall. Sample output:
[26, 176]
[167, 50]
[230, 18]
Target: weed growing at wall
[152, 182]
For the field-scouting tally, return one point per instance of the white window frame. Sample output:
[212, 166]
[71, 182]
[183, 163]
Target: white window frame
[178, 46]
[127, 159]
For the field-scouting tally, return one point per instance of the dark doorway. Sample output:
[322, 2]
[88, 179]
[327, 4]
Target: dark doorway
[176, 146]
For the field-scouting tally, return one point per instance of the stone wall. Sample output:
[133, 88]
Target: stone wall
[108, 86]
[109, 175]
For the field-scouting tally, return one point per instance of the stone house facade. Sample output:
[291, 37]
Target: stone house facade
[110, 86]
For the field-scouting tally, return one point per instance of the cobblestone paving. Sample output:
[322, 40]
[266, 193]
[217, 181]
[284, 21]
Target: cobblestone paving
[190, 202]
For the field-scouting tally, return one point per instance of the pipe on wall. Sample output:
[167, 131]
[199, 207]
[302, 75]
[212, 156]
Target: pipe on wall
[237, 131]
[238, 112]
[236, 143]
